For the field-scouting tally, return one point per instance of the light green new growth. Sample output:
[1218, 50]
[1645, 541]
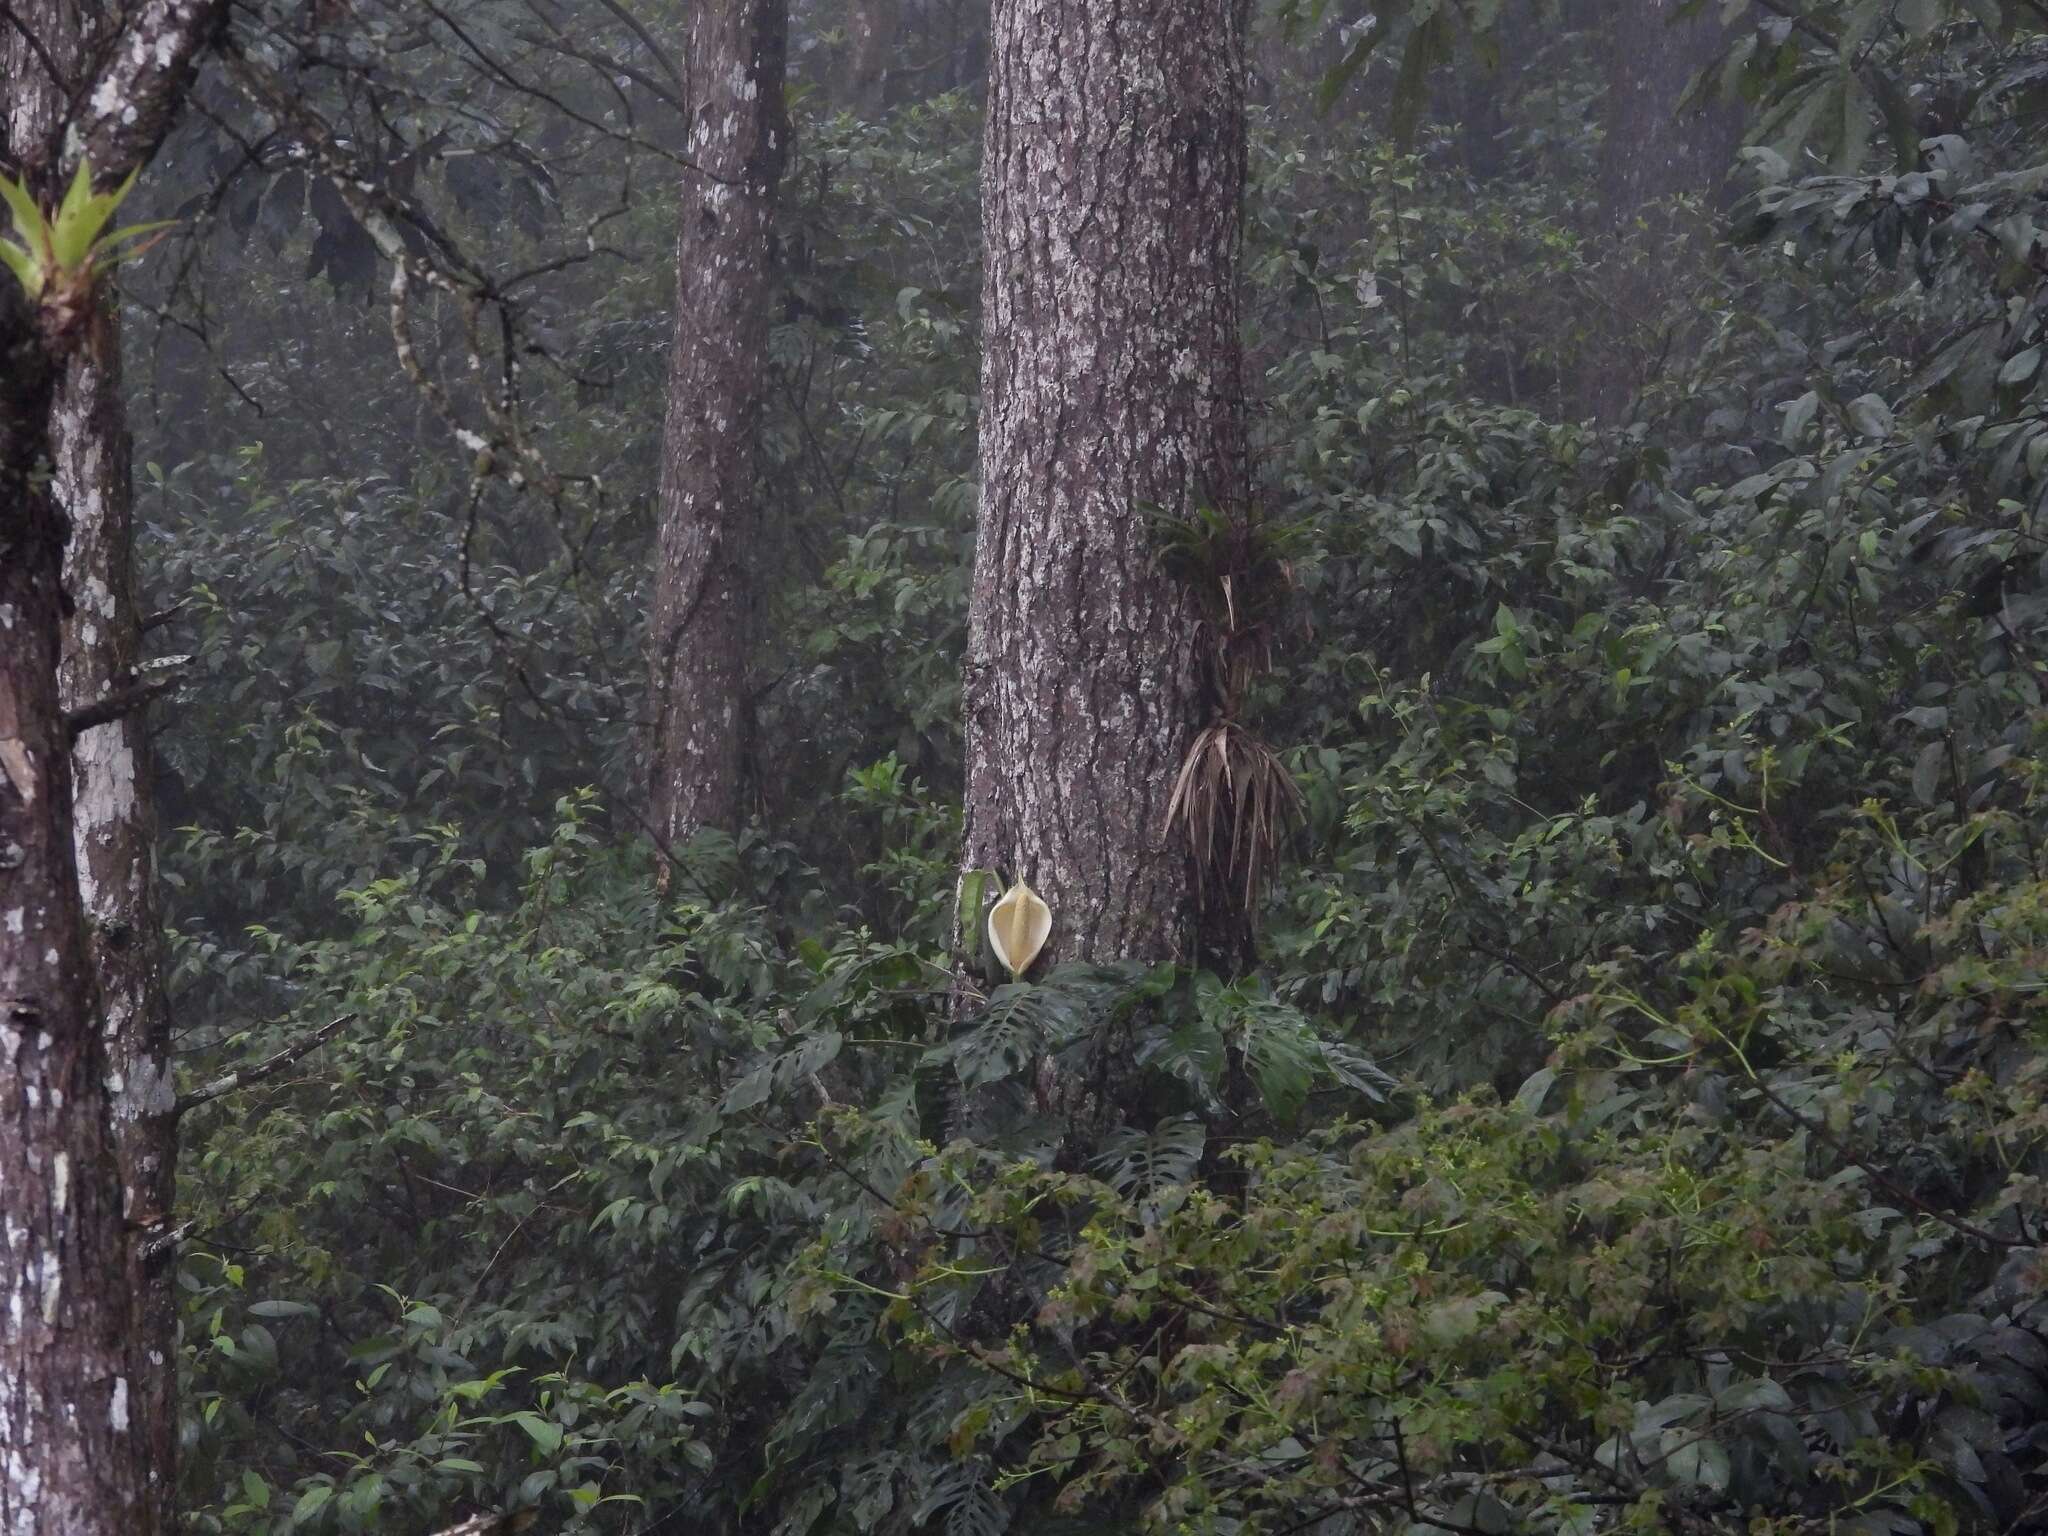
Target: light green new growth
[57, 259]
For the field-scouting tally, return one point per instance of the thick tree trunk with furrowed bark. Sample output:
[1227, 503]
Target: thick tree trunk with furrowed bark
[709, 500]
[85, 1364]
[1112, 398]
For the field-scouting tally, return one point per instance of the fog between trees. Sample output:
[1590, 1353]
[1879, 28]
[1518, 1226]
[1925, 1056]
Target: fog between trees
[888, 766]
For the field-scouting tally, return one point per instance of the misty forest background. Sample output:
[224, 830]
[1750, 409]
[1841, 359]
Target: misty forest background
[1631, 1111]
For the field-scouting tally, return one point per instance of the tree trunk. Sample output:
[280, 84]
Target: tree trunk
[114, 833]
[1112, 398]
[709, 479]
[113, 810]
[84, 1370]
[70, 1459]
[1652, 156]
[871, 35]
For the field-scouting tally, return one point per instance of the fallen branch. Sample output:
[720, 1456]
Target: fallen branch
[268, 1067]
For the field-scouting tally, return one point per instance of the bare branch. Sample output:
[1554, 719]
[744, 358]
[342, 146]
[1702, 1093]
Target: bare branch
[491, 67]
[131, 102]
[493, 1523]
[270, 1066]
[662, 56]
[110, 707]
[605, 65]
[166, 1242]
[163, 616]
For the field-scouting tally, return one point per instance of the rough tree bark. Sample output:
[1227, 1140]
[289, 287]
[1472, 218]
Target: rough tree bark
[1652, 156]
[113, 810]
[78, 1386]
[1112, 396]
[69, 1460]
[114, 836]
[724, 250]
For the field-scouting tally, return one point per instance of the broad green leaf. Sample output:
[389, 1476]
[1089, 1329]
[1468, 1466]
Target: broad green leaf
[974, 885]
[311, 1502]
[284, 1309]
[1871, 416]
[1918, 17]
[1535, 1089]
[1927, 770]
[83, 215]
[2020, 367]
[27, 271]
[1696, 1460]
[1798, 417]
[545, 1434]
[28, 218]
[73, 229]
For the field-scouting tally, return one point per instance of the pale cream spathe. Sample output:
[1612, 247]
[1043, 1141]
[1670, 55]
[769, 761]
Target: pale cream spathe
[1018, 926]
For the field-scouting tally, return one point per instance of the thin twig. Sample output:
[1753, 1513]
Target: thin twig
[1879, 1177]
[662, 56]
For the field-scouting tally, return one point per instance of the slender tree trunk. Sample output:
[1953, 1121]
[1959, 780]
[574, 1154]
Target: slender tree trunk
[871, 34]
[113, 809]
[1652, 156]
[709, 479]
[69, 1454]
[66, 1373]
[82, 1386]
[1112, 397]
[114, 833]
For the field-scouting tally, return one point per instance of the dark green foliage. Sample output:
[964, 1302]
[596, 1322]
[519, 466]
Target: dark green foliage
[1636, 1118]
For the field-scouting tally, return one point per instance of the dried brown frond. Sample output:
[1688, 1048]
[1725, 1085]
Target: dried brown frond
[1235, 798]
